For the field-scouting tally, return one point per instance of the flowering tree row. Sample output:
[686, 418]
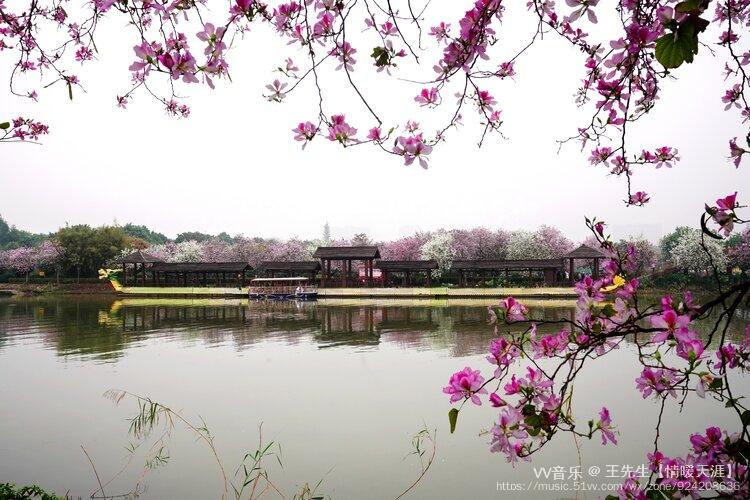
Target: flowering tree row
[684, 256]
[24, 260]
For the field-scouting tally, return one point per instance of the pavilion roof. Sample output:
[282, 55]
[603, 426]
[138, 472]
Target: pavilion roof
[584, 252]
[353, 253]
[202, 267]
[138, 257]
[406, 265]
[298, 265]
[492, 265]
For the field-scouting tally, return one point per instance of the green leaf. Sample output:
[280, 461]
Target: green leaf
[534, 421]
[453, 419]
[609, 310]
[690, 6]
[716, 383]
[746, 417]
[380, 55]
[672, 51]
[654, 495]
[5, 125]
[680, 45]
[70, 91]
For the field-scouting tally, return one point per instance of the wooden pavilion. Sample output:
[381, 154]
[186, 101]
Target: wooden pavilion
[365, 254]
[200, 273]
[277, 269]
[479, 270]
[583, 252]
[138, 262]
[406, 268]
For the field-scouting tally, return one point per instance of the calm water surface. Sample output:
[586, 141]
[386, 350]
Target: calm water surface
[342, 386]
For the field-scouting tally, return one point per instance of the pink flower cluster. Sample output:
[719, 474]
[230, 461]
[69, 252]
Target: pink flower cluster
[22, 129]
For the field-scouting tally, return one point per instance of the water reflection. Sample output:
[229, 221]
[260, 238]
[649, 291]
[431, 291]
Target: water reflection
[104, 329]
[343, 385]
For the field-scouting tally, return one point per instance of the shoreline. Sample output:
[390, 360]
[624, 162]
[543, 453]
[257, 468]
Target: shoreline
[105, 290]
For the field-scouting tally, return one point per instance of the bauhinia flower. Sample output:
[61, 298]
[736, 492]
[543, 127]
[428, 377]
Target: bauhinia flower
[605, 425]
[305, 132]
[657, 382]
[340, 131]
[465, 384]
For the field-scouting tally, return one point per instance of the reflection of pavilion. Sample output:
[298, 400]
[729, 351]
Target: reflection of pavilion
[247, 323]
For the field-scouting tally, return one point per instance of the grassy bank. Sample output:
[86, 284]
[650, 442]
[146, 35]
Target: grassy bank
[54, 288]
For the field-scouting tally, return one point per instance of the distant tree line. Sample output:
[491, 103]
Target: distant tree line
[80, 250]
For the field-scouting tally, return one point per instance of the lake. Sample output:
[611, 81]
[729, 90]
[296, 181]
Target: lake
[342, 386]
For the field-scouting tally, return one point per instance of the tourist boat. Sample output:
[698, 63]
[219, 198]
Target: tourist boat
[292, 288]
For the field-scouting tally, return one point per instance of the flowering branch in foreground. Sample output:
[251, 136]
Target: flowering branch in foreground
[536, 406]
[186, 43]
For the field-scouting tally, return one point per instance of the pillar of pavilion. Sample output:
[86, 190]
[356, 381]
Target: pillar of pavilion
[583, 252]
[346, 255]
[137, 263]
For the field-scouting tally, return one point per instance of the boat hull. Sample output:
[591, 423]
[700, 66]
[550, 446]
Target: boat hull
[283, 296]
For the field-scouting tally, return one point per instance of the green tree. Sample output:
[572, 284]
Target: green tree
[144, 233]
[11, 237]
[224, 236]
[193, 236]
[86, 249]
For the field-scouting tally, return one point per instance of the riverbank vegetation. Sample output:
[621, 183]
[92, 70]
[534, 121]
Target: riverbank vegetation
[75, 253]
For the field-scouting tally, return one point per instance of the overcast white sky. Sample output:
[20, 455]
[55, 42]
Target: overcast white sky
[233, 166]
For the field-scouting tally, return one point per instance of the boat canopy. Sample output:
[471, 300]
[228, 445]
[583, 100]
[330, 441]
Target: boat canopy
[266, 280]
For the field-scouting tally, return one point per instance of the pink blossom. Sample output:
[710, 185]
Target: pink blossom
[599, 155]
[639, 198]
[665, 156]
[496, 401]
[727, 355]
[375, 134]
[513, 310]
[656, 381]
[412, 148]
[583, 7]
[605, 425]
[728, 203]
[339, 130]
[465, 384]
[213, 36]
[345, 54]
[670, 323]
[428, 97]
[506, 70]
[732, 96]
[502, 354]
[736, 152]
[440, 32]
[84, 54]
[711, 443]
[508, 434]
[277, 90]
[305, 132]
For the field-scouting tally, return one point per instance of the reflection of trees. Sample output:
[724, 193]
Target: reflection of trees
[103, 328]
[72, 326]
